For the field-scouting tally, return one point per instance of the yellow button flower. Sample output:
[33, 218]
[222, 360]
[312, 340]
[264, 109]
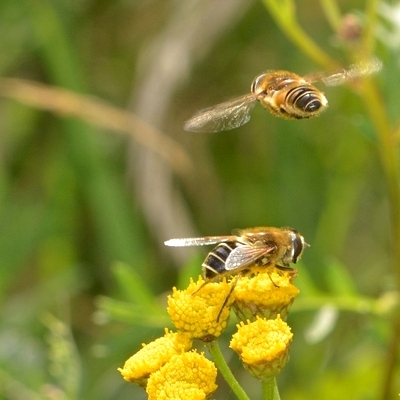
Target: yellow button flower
[265, 294]
[154, 355]
[187, 376]
[263, 346]
[202, 309]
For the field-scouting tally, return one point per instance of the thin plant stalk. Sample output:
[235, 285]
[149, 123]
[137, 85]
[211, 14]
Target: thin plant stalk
[270, 390]
[283, 13]
[332, 13]
[225, 371]
[387, 147]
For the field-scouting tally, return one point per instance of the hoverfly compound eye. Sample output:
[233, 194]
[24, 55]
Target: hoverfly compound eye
[297, 246]
[257, 87]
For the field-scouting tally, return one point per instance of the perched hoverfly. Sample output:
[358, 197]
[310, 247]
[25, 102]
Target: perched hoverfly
[283, 93]
[247, 248]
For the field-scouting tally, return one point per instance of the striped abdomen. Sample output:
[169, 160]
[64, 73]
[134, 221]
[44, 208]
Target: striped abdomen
[306, 99]
[214, 264]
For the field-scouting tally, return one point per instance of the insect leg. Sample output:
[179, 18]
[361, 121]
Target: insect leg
[233, 284]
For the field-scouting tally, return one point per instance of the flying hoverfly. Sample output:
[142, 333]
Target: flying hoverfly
[245, 248]
[283, 93]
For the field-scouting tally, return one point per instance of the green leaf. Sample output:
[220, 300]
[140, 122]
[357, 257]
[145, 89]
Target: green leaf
[338, 278]
[133, 287]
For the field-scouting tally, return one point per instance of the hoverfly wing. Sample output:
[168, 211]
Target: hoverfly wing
[245, 255]
[222, 117]
[359, 70]
[200, 241]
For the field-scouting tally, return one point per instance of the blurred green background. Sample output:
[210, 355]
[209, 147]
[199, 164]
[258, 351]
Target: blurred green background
[86, 205]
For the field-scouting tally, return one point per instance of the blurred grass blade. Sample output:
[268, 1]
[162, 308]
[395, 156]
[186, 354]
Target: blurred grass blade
[133, 286]
[192, 269]
[135, 314]
[65, 364]
[95, 111]
[22, 227]
[323, 324]
[339, 280]
[12, 388]
[116, 227]
[305, 283]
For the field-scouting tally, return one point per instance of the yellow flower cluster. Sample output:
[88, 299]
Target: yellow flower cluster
[265, 294]
[168, 370]
[154, 355]
[202, 309]
[165, 367]
[185, 376]
[263, 346]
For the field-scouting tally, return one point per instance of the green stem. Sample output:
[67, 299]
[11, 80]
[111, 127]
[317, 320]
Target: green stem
[284, 13]
[390, 164]
[332, 13]
[356, 304]
[223, 367]
[371, 18]
[270, 390]
[388, 154]
[389, 159]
